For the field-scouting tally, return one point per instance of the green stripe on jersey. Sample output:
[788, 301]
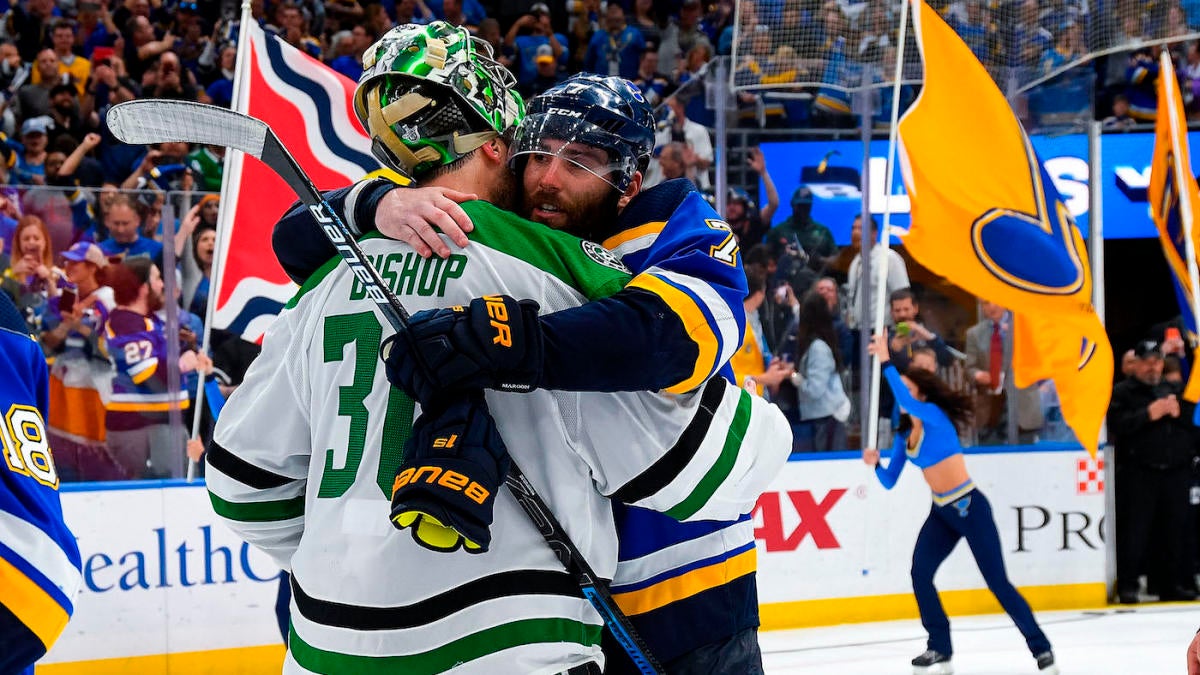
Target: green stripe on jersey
[258, 512]
[720, 469]
[449, 655]
[582, 265]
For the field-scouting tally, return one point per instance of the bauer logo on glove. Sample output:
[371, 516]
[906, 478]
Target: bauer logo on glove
[451, 480]
[445, 489]
[499, 316]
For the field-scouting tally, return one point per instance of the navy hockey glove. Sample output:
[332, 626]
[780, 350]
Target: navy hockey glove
[493, 343]
[445, 489]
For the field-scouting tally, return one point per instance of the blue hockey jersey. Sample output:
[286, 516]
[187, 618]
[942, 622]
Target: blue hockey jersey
[39, 559]
[682, 251]
[685, 584]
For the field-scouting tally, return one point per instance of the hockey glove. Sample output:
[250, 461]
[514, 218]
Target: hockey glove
[493, 343]
[445, 489]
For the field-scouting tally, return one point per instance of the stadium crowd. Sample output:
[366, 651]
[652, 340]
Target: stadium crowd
[80, 204]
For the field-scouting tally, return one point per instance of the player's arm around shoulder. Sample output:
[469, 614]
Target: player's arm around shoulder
[258, 464]
[704, 455]
[417, 216]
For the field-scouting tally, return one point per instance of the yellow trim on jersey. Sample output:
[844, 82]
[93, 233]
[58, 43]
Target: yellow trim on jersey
[28, 602]
[145, 373]
[390, 174]
[687, 585]
[147, 407]
[112, 334]
[633, 233]
[748, 360]
[694, 322]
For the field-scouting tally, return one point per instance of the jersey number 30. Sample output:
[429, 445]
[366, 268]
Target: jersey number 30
[26, 447]
[364, 331]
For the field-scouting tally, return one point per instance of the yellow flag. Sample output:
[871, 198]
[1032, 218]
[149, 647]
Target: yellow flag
[986, 216]
[1173, 200]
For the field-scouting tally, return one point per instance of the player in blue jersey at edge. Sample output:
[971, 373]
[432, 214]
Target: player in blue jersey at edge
[580, 155]
[39, 559]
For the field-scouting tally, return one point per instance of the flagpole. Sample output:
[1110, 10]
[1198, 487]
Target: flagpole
[886, 230]
[1167, 69]
[232, 164]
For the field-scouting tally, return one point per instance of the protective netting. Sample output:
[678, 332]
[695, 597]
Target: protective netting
[840, 46]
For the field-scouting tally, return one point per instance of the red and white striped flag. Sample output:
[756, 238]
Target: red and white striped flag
[308, 105]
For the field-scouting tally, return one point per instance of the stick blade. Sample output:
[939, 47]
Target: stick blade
[146, 121]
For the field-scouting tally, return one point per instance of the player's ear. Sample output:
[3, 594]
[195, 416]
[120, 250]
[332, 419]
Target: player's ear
[635, 186]
[496, 150]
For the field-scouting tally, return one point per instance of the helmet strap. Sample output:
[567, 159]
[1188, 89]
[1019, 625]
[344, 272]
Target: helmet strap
[464, 143]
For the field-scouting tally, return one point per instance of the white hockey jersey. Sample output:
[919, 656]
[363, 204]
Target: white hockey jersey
[306, 450]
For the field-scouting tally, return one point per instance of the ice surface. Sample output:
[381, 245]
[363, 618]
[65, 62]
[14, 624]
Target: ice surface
[1149, 639]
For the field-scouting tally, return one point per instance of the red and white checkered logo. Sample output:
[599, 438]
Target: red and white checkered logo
[1089, 476]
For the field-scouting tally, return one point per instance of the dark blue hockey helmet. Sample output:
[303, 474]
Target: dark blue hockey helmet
[609, 113]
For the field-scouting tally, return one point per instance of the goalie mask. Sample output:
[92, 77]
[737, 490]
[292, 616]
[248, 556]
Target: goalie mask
[586, 112]
[430, 95]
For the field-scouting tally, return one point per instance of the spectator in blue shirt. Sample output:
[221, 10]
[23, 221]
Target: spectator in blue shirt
[617, 49]
[220, 90]
[1142, 76]
[976, 30]
[124, 229]
[525, 46]
[456, 12]
[472, 11]
[718, 21]
[410, 11]
[1058, 13]
[1068, 47]
[31, 160]
[547, 76]
[349, 47]
[1028, 40]
[652, 83]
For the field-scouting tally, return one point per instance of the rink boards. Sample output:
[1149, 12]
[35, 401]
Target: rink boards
[835, 547]
[168, 589]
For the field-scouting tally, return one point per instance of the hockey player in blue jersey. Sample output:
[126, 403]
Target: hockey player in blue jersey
[39, 559]
[672, 328]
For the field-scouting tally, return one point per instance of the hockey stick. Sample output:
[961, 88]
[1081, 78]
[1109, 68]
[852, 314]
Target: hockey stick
[146, 121]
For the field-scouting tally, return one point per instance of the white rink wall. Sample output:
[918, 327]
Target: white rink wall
[163, 577]
[835, 546]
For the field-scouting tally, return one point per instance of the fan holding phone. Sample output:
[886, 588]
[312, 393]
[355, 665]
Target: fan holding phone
[32, 277]
[1173, 342]
[70, 329]
[79, 310]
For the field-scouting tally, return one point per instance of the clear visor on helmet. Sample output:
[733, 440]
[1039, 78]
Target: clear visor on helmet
[578, 142]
